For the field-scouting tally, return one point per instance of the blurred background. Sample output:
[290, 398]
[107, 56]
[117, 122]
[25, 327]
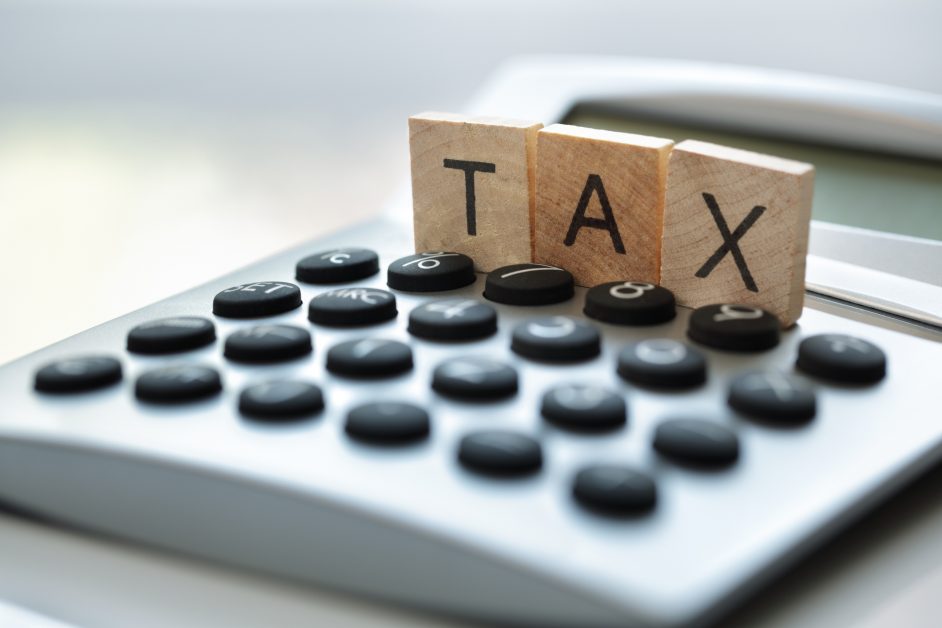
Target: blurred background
[149, 145]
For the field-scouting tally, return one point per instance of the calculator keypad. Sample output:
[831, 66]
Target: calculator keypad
[601, 444]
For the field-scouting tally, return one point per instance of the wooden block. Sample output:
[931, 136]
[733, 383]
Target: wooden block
[736, 228]
[472, 186]
[600, 203]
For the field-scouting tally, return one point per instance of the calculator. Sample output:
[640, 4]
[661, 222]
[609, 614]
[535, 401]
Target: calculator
[502, 446]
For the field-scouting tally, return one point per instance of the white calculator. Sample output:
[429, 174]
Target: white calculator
[507, 447]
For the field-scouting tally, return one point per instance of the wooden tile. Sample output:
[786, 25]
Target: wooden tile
[736, 228]
[472, 186]
[599, 203]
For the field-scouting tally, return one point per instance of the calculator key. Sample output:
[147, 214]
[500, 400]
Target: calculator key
[171, 335]
[369, 357]
[262, 298]
[453, 319]
[614, 490]
[179, 383]
[431, 272]
[282, 400]
[500, 453]
[630, 303]
[734, 327]
[584, 408]
[473, 378]
[337, 266]
[529, 284]
[841, 358]
[268, 343]
[352, 306]
[772, 395]
[78, 374]
[696, 442]
[662, 363]
[387, 423]
[556, 339]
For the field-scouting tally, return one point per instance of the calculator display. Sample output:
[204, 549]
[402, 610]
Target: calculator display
[878, 191]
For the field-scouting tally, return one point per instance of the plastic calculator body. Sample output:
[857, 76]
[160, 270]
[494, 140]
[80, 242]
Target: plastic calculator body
[411, 522]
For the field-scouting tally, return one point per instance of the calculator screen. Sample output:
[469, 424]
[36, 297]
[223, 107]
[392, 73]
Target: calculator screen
[876, 191]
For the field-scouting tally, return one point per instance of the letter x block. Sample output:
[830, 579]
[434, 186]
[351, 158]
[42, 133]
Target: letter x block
[472, 186]
[599, 203]
[736, 228]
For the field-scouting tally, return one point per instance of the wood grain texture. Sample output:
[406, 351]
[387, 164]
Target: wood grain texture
[599, 203]
[764, 203]
[496, 157]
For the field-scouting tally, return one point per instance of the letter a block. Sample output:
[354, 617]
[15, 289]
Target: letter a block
[472, 186]
[600, 203]
[736, 228]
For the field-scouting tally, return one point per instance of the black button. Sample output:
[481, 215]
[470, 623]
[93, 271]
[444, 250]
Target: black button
[614, 490]
[662, 363]
[556, 339]
[337, 266]
[369, 357]
[453, 319]
[172, 384]
[431, 272]
[268, 343]
[500, 453]
[388, 423]
[772, 395]
[584, 408]
[734, 327]
[78, 374]
[841, 358]
[282, 400]
[630, 303]
[529, 284]
[169, 335]
[352, 306]
[696, 443]
[263, 298]
[474, 378]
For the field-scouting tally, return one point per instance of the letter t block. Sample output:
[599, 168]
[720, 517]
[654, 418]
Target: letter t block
[472, 186]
